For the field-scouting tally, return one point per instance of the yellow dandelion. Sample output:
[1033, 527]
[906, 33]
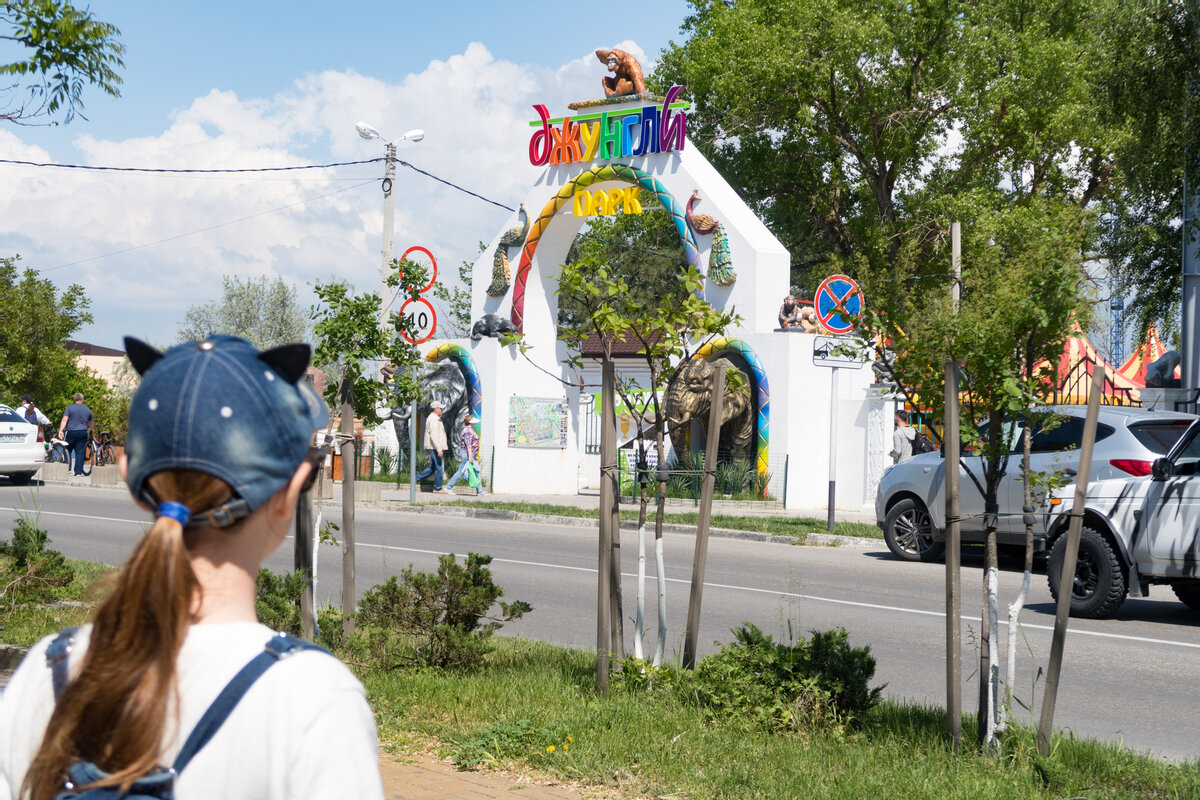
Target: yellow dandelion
[550, 749]
[566, 747]
[569, 739]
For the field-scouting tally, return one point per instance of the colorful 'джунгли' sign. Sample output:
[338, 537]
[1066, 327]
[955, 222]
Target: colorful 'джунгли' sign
[609, 134]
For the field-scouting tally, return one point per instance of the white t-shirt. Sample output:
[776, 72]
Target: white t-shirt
[303, 730]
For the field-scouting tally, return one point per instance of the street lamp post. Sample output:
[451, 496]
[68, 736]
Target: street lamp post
[385, 299]
[389, 206]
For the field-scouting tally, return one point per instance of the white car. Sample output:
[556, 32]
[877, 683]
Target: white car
[1135, 532]
[22, 447]
[910, 504]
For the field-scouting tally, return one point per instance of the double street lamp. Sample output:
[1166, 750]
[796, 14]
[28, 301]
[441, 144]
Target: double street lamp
[389, 204]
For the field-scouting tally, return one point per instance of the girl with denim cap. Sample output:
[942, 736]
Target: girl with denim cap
[218, 442]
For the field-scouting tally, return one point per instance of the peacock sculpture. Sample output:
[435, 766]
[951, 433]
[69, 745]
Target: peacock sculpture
[501, 276]
[720, 261]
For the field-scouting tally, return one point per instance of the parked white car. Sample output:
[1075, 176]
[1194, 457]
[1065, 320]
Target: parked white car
[22, 447]
[1136, 531]
[910, 503]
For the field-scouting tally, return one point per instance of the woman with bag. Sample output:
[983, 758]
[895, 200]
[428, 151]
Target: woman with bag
[175, 663]
[469, 466]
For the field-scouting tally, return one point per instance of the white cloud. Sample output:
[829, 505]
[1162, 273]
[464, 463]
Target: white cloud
[304, 226]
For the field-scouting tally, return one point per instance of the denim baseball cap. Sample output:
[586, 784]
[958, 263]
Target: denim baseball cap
[224, 408]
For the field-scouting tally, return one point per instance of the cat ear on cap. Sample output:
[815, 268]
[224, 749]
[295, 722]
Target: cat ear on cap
[141, 355]
[289, 360]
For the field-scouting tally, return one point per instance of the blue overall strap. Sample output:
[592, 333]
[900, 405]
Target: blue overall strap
[58, 658]
[276, 649]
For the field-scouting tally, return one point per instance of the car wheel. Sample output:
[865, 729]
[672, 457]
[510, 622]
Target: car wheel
[908, 532]
[20, 478]
[1099, 586]
[1188, 594]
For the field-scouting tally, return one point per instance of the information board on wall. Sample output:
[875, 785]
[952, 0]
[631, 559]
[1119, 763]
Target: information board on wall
[537, 422]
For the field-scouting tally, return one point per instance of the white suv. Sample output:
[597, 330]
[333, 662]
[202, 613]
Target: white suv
[910, 503]
[1136, 531]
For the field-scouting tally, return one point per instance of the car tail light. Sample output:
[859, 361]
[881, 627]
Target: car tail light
[1133, 466]
[41, 435]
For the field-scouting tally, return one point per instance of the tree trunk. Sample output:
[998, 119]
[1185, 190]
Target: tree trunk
[349, 465]
[989, 670]
[639, 624]
[1014, 610]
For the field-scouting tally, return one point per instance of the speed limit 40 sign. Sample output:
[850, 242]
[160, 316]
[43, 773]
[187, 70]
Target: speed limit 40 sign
[419, 311]
[422, 317]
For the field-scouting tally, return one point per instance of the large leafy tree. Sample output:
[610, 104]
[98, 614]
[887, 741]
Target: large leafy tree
[262, 309]
[861, 130]
[62, 51]
[36, 321]
[643, 251]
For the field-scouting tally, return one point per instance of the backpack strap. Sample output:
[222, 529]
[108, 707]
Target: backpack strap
[58, 659]
[276, 649]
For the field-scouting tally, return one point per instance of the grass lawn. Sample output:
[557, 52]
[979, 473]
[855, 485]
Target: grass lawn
[776, 525]
[531, 707]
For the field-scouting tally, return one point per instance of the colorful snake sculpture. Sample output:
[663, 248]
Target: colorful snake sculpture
[720, 261]
[500, 270]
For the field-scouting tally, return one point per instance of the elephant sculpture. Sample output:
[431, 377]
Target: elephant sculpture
[440, 381]
[690, 397]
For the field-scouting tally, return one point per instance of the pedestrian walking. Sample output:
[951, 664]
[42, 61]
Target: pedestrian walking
[175, 663]
[32, 413]
[902, 439]
[435, 443]
[470, 448]
[76, 428]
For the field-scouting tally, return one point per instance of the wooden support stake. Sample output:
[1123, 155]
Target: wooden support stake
[1066, 582]
[950, 445]
[700, 556]
[608, 474]
[349, 606]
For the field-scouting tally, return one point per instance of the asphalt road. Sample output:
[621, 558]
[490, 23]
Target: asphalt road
[1125, 680]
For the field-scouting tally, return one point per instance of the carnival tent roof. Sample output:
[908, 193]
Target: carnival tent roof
[1146, 354]
[1074, 370]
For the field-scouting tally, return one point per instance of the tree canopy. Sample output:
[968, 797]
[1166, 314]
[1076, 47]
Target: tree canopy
[262, 310]
[857, 130]
[63, 51]
[36, 321]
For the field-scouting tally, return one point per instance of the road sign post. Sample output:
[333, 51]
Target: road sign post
[836, 353]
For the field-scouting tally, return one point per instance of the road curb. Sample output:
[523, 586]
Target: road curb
[814, 539]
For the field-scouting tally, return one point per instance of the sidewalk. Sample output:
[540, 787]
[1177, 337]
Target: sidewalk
[424, 778]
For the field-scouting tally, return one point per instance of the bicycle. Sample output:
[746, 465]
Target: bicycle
[56, 449]
[99, 452]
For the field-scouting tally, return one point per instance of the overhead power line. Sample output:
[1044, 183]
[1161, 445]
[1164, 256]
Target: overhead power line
[294, 168]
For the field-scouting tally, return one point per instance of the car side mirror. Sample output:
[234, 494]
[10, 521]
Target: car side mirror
[1162, 468]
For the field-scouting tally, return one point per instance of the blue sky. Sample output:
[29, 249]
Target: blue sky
[253, 84]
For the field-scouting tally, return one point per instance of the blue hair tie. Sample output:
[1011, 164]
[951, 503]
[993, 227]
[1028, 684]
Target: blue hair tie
[176, 511]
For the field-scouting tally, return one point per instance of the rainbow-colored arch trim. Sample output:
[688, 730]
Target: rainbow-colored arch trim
[565, 195]
[459, 354]
[759, 376]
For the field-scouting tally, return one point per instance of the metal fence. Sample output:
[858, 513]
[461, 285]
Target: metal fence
[738, 484]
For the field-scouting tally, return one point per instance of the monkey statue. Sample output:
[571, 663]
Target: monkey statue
[627, 73]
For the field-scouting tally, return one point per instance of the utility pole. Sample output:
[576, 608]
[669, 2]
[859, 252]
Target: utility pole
[950, 446]
[389, 225]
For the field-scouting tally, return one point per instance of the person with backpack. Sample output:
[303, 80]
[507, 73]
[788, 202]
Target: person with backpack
[902, 439]
[175, 690]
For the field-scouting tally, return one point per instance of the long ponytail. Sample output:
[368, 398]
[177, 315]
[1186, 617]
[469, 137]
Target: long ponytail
[114, 713]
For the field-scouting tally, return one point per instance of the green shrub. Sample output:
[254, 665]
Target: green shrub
[30, 573]
[386, 459]
[434, 619]
[816, 683]
[277, 600]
